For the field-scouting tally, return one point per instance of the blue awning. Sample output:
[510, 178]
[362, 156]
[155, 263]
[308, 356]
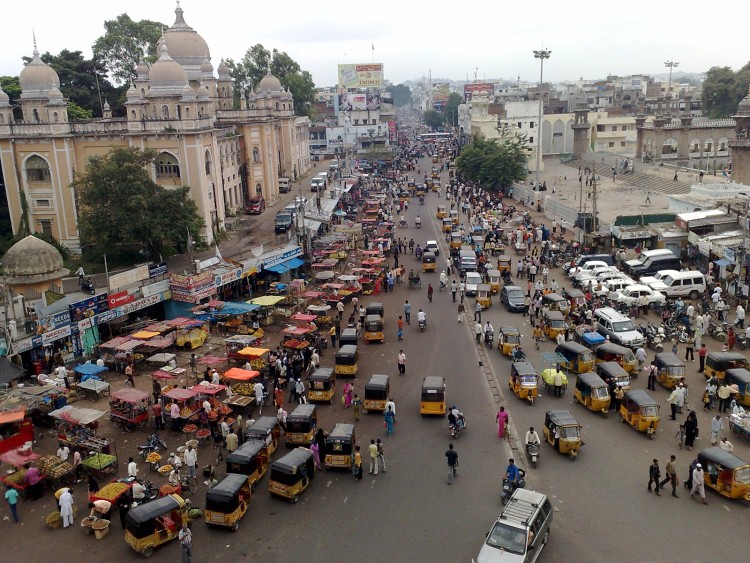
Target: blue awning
[284, 267]
[723, 262]
[295, 263]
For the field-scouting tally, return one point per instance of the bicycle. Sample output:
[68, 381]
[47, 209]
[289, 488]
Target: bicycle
[189, 483]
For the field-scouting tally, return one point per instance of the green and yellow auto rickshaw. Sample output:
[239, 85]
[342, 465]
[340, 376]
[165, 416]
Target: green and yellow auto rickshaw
[292, 474]
[321, 385]
[495, 279]
[578, 358]
[611, 352]
[346, 361]
[432, 400]
[251, 459]
[377, 390]
[227, 501]
[524, 381]
[671, 369]
[507, 339]
[340, 444]
[301, 425]
[739, 378]
[725, 473]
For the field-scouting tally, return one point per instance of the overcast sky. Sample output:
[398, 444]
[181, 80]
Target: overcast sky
[587, 38]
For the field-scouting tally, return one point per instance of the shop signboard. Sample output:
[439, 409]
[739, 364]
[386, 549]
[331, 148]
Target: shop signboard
[120, 298]
[730, 255]
[471, 89]
[56, 334]
[26, 344]
[89, 307]
[154, 288]
[367, 75]
[158, 269]
[129, 277]
[228, 277]
[192, 289]
[107, 316]
[143, 303]
[279, 258]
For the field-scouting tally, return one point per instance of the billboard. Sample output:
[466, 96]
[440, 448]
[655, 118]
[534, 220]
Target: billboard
[359, 102]
[470, 89]
[440, 93]
[361, 75]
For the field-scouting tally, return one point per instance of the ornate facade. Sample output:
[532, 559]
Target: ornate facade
[178, 108]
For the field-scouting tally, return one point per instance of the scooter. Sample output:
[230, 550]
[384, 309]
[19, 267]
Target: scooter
[510, 487]
[422, 324]
[456, 429]
[489, 338]
[418, 223]
[153, 444]
[87, 286]
[532, 452]
[443, 285]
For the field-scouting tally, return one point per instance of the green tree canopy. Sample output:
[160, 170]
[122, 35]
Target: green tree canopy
[723, 89]
[124, 43]
[433, 118]
[494, 164]
[123, 213]
[401, 94]
[450, 112]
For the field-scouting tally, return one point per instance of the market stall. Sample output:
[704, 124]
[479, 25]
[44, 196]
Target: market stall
[128, 409]
[265, 314]
[240, 381]
[16, 429]
[235, 343]
[254, 356]
[54, 472]
[187, 401]
[76, 427]
[162, 358]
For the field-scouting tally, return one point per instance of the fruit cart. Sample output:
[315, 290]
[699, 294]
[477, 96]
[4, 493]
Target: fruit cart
[112, 491]
[56, 472]
[15, 478]
[187, 400]
[128, 409]
[739, 423]
[241, 381]
[76, 427]
[236, 343]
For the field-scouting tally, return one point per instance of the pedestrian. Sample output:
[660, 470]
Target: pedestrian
[502, 419]
[191, 459]
[132, 468]
[407, 312]
[315, 449]
[478, 331]
[690, 348]
[454, 289]
[452, 456]
[11, 496]
[381, 453]
[401, 360]
[478, 312]
[158, 411]
[691, 430]
[653, 371]
[724, 393]
[680, 435]
[726, 445]
[63, 452]
[123, 507]
[698, 485]
[430, 291]
[558, 381]
[129, 375]
[672, 400]
[461, 311]
[347, 395]
[186, 541]
[716, 427]
[702, 353]
[373, 450]
[356, 405]
[390, 419]
[653, 476]
[232, 441]
[332, 334]
[671, 476]
[400, 325]
[357, 464]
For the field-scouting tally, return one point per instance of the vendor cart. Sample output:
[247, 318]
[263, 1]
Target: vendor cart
[92, 389]
[739, 423]
[128, 409]
[187, 400]
[241, 381]
[15, 430]
[76, 427]
[553, 360]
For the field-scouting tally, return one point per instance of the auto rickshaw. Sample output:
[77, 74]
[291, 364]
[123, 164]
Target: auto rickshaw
[227, 501]
[301, 424]
[484, 295]
[340, 444]
[348, 336]
[592, 392]
[347, 358]
[321, 386]
[267, 429]
[725, 473]
[420, 191]
[376, 393]
[436, 186]
[442, 211]
[524, 381]
[374, 328]
[292, 474]
[453, 214]
[614, 371]
[585, 335]
[447, 225]
[578, 358]
[375, 308]
[250, 459]
[507, 339]
[434, 159]
[717, 363]
[556, 302]
[433, 396]
[576, 298]
[429, 262]
[741, 378]
[554, 324]
[494, 277]
[611, 352]
[671, 369]
[429, 182]
[562, 432]
[504, 263]
[456, 239]
[640, 411]
[152, 524]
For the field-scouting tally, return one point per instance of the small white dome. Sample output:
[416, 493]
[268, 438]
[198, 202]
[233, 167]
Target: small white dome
[269, 83]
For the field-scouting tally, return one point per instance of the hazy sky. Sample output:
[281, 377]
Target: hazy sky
[587, 38]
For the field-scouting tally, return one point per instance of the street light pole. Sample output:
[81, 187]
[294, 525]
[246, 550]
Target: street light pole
[541, 55]
[671, 65]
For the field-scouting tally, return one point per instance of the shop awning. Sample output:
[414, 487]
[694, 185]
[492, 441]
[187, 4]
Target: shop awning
[267, 300]
[253, 352]
[232, 308]
[9, 371]
[723, 262]
[241, 374]
[285, 266]
[12, 416]
[77, 415]
[89, 369]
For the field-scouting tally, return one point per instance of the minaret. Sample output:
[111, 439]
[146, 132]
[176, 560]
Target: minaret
[740, 145]
[581, 129]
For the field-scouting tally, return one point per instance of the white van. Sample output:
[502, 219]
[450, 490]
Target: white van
[645, 255]
[323, 176]
[285, 185]
[690, 284]
[620, 329]
[317, 184]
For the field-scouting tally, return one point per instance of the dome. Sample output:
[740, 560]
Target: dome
[32, 260]
[141, 70]
[288, 94]
[133, 95]
[37, 78]
[203, 92]
[223, 69]
[207, 67]
[166, 77]
[4, 99]
[188, 94]
[56, 96]
[269, 83]
[185, 45]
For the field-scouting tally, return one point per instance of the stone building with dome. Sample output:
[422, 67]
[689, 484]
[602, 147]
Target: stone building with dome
[177, 107]
[33, 264]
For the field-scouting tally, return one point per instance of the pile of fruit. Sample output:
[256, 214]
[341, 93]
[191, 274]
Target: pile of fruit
[195, 513]
[186, 412]
[137, 357]
[189, 428]
[59, 470]
[295, 343]
[98, 461]
[258, 364]
[203, 433]
[100, 524]
[324, 320]
[17, 477]
[111, 491]
[153, 457]
[46, 463]
[243, 389]
[165, 469]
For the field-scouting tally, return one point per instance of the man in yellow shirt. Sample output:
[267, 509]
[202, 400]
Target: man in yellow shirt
[357, 468]
[373, 449]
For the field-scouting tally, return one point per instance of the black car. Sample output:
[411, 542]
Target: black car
[514, 298]
[283, 222]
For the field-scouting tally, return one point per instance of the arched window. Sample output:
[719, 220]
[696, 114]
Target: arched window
[133, 115]
[55, 117]
[37, 169]
[2, 118]
[722, 149]
[187, 113]
[256, 154]
[143, 93]
[208, 163]
[35, 114]
[669, 148]
[165, 112]
[167, 166]
[708, 147]
[258, 189]
[695, 146]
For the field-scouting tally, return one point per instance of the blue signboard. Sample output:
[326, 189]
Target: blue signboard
[89, 307]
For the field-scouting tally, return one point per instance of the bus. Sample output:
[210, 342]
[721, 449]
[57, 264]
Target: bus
[432, 137]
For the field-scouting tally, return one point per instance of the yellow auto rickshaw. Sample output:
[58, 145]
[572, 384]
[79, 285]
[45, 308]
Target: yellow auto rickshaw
[340, 444]
[556, 302]
[250, 459]
[613, 371]
[740, 378]
[321, 386]
[494, 278]
[227, 501]
[292, 474]
[436, 186]
[611, 352]
[434, 159]
[428, 182]
[429, 262]
[420, 191]
[267, 429]
[301, 424]
[725, 473]
[524, 381]
[447, 225]
[507, 339]
[717, 363]
[640, 411]
[155, 523]
[562, 432]
[592, 392]
[374, 328]
[346, 361]
[442, 211]
[671, 369]
[453, 214]
[376, 393]
[484, 295]
[432, 401]
[576, 298]
[578, 358]
[375, 308]
[456, 239]
[503, 263]
[554, 324]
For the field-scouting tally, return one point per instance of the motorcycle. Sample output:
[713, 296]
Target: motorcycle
[443, 285]
[150, 494]
[456, 429]
[717, 330]
[532, 452]
[489, 338]
[418, 223]
[153, 444]
[421, 200]
[87, 286]
[422, 324]
[510, 487]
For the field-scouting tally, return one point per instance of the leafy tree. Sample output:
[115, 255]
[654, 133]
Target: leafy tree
[723, 89]
[450, 112]
[401, 94]
[433, 119]
[77, 112]
[123, 212]
[124, 43]
[494, 164]
[11, 86]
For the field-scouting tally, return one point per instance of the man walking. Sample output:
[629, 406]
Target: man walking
[716, 427]
[452, 456]
[653, 476]
[671, 477]
[373, 450]
[478, 331]
[454, 289]
[407, 312]
[381, 453]
[186, 541]
[11, 495]
[652, 373]
[558, 381]
[401, 362]
[478, 312]
[724, 393]
[191, 460]
[698, 485]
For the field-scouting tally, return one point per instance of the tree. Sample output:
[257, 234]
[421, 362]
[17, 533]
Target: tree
[494, 164]
[401, 94]
[124, 43]
[433, 119]
[123, 213]
[450, 112]
[723, 89]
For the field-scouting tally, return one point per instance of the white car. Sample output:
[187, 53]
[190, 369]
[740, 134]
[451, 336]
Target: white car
[587, 267]
[648, 280]
[614, 286]
[631, 294]
[598, 275]
[432, 246]
[473, 279]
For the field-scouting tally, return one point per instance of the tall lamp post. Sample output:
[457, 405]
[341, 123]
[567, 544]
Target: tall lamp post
[671, 65]
[541, 55]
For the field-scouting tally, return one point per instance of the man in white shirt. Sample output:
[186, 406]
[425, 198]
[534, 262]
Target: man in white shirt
[132, 468]
[139, 491]
[191, 459]
[206, 406]
[63, 452]
[391, 404]
[259, 393]
[726, 445]
[215, 377]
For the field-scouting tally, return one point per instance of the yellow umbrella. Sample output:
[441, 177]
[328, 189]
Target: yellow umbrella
[255, 352]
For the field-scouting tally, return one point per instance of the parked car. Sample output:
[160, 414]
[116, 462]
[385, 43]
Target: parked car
[614, 285]
[255, 205]
[631, 294]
